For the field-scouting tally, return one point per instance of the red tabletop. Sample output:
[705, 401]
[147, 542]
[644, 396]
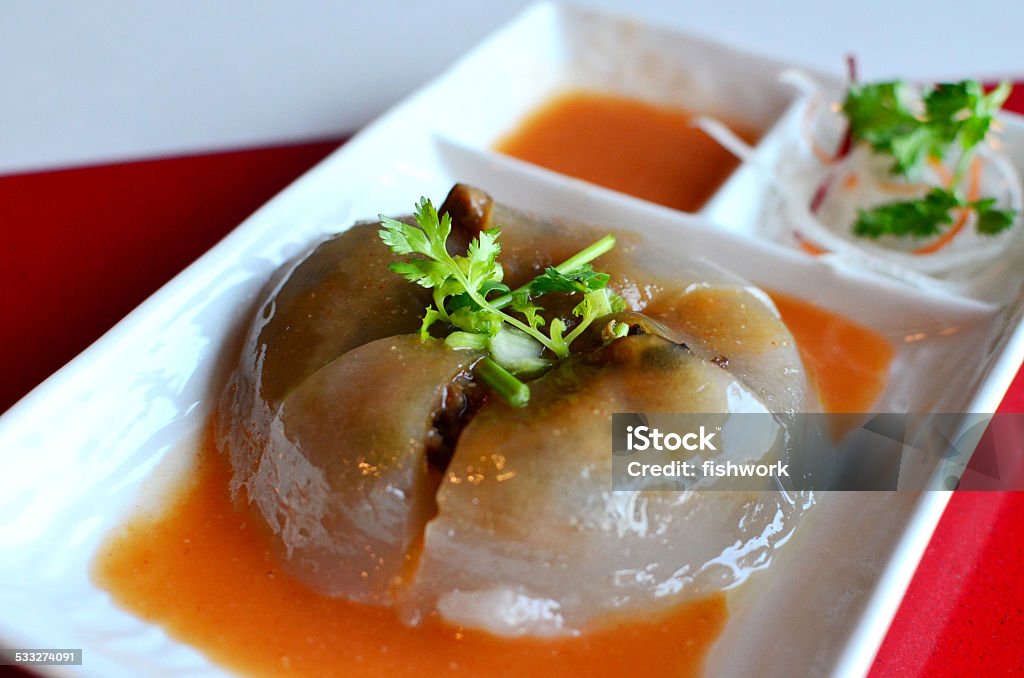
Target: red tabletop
[85, 246]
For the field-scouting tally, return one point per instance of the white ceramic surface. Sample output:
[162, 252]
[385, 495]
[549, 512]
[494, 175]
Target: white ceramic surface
[80, 451]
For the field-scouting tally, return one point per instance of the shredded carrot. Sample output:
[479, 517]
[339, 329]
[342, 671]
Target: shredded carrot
[898, 188]
[851, 181]
[808, 246]
[973, 190]
[947, 237]
[823, 156]
[945, 176]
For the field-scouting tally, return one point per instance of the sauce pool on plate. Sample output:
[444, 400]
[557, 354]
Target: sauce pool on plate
[203, 569]
[847, 362]
[643, 150]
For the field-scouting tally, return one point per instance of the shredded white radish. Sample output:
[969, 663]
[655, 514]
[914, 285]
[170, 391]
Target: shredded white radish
[728, 139]
[949, 269]
[800, 81]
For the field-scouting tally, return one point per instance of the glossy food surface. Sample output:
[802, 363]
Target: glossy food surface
[528, 538]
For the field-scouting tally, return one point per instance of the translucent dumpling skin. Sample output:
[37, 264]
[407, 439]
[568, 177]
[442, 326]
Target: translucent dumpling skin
[328, 416]
[509, 524]
[345, 479]
[321, 308]
[530, 538]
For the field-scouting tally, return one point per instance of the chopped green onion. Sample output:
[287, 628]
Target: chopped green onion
[503, 382]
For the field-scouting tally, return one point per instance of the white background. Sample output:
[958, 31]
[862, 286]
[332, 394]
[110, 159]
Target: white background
[90, 81]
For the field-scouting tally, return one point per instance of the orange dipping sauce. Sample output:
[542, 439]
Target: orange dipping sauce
[205, 573]
[630, 146]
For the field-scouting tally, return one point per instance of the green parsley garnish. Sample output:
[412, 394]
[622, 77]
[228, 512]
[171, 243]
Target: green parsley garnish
[470, 297]
[927, 216]
[952, 116]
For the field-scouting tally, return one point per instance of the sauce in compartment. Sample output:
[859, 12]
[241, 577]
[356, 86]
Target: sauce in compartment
[203, 569]
[647, 151]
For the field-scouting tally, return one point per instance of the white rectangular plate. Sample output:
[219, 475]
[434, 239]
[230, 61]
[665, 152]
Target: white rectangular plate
[77, 450]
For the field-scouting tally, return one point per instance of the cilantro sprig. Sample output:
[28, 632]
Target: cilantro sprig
[470, 297]
[927, 217]
[956, 114]
[951, 118]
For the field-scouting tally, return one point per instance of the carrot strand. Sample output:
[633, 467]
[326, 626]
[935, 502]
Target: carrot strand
[945, 176]
[973, 190]
[823, 156]
[808, 246]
